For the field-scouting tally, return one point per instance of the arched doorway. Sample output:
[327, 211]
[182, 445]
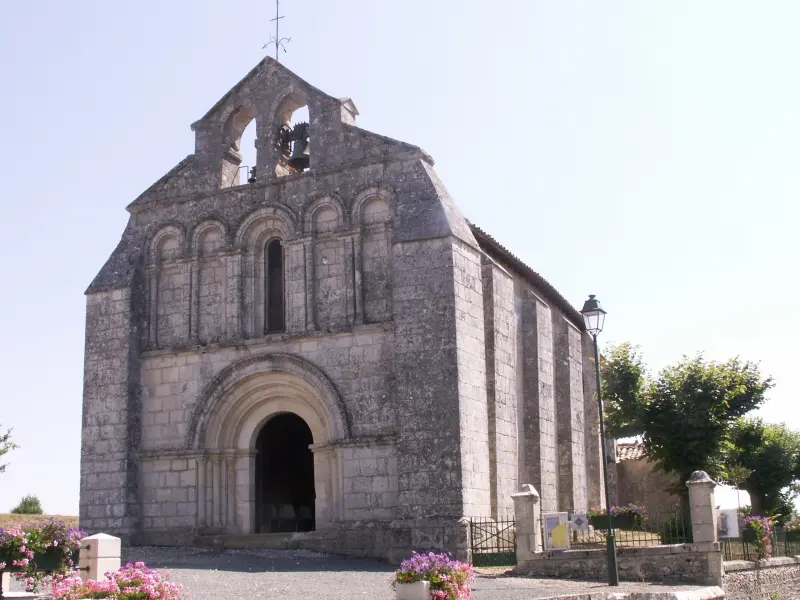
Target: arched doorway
[284, 476]
[229, 428]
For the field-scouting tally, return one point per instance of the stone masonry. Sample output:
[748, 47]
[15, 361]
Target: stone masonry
[435, 371]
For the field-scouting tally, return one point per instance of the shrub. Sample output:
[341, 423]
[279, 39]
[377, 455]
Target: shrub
[131, 582]
[761, 529]
[450, 579]
[29, 505]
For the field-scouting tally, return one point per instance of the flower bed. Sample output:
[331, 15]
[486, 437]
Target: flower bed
[631, 516]
[448, 579]
[131, 582]
[33, 551]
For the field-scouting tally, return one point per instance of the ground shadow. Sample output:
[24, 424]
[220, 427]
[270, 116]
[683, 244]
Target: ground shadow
[250, 561]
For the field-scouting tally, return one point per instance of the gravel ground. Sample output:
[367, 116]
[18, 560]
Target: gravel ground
[290, 574]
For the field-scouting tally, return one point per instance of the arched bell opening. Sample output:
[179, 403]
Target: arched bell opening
[284, 476]
[294, 136]
[240, 148]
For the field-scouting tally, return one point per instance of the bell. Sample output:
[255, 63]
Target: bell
[252, 178]
[300, 160]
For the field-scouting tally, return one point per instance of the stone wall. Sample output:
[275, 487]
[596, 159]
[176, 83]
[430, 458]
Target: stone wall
[538, 427]
[688, 563]
[595, 488]
[426, 371]
[771, 579]
[359, 363]
[109, 442]
[569, 415]
[501, 385]
[473, 414]
[370, 482]
[640, 483]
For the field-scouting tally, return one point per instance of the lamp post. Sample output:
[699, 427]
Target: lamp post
[594, 317]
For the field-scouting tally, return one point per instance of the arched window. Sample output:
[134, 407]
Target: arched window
[273, 286]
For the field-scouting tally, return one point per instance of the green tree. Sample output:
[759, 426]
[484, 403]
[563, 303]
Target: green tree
[29, 505]
[625, 388]
[686, 414]
[6, 446]
[769, 454]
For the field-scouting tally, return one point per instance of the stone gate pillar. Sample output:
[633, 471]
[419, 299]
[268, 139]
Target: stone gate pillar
[703, 509]
[528, 516]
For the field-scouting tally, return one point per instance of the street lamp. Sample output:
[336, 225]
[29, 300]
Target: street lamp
[594, 317]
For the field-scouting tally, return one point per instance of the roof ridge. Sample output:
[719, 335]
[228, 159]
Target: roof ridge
[547, 288]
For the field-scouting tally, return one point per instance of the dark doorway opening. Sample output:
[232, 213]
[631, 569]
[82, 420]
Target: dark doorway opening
[284, 476]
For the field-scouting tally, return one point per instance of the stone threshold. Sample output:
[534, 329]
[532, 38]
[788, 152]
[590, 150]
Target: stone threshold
[259, 541]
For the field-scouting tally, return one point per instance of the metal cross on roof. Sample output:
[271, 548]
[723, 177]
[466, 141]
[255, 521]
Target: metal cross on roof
[277, 39]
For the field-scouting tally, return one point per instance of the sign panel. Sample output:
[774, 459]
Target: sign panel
[728, 523]
[556, 531]
[579, 522]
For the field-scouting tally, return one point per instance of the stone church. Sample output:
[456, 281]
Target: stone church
[322, 352]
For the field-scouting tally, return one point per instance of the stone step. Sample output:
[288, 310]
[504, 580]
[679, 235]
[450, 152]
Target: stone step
[257, 541]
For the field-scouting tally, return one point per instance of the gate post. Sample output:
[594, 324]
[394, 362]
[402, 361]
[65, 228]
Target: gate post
[528, 516]
[703, 508]
[100, 553]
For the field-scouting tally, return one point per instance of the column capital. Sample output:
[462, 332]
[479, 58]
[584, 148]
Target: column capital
[700, 478]
[526, 491]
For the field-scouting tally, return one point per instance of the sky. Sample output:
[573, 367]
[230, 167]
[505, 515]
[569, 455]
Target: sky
[645, 152]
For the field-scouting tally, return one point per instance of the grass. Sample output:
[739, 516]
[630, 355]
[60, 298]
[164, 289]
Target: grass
[9, 520]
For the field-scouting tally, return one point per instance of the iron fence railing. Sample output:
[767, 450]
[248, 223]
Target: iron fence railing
[493, 541]
[634, 531]
[784, 543]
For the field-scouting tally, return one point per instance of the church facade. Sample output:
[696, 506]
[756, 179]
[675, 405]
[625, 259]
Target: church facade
[323, 352]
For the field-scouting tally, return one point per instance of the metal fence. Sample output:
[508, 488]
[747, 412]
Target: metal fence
[784, 543]
[633, 531]
[493, 541]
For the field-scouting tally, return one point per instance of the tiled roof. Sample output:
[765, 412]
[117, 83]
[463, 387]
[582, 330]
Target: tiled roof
[634, 451]
[492, 246]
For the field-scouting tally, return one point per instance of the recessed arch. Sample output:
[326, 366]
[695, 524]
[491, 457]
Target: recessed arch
[255, 387]
[270, 218]
[202, 229]
[166, 235]
[366, 196]
[321, 201]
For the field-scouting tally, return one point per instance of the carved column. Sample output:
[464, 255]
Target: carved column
[311, 320]
[200, 466]
[230, 491]
[153, 316]
[349, 276]
[358, 269]
[209, 496]
[215, 491]
[233, 297]
[194, 310]
[186, 300]
[223, 491]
